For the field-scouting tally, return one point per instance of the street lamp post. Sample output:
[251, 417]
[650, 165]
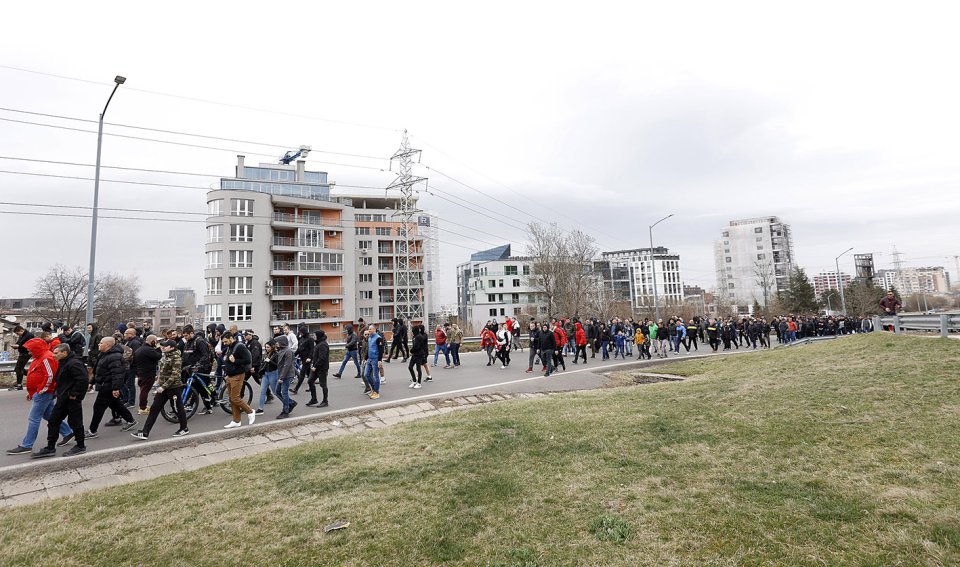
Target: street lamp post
[653, 262]
[843, 300]
[96, 199]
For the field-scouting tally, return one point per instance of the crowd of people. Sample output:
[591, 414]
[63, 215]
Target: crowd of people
[125, 367]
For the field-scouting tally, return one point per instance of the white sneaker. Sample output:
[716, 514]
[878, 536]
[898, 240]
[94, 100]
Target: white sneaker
[251, 417]
[416, 385]
[503, 366]
[412, 384]
[232, 424]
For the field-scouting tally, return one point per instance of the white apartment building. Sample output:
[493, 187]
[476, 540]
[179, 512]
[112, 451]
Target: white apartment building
[915, 280]
[629, 274]
[281, 249]
[829, 280]
[493, 285]
[752, 252]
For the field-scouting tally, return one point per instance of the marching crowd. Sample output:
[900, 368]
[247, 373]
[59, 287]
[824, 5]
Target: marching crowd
[66, 365]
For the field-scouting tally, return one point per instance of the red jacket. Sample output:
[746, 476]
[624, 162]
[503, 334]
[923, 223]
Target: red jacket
[487, 338]
[43, 369]
[580, 337]
[509, 323]
[440, 337]
[560, 336]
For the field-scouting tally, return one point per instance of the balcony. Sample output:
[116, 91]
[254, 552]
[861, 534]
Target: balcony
[291, 266]
[291, 242]
[280, 292]
[306, 316]
[307, 220]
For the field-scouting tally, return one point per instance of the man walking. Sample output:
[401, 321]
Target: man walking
[145, 360]
[236, 363]
[23, 355]
[351, 352]
[41, 384]
[318, 370]
[71, 386]
[286, 372]
[109, 377]
[375, 348]
[170, 388]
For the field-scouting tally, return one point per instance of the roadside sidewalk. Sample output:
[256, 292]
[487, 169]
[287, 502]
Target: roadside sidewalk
[54, 478]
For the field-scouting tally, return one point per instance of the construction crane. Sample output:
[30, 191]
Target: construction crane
[288, 157]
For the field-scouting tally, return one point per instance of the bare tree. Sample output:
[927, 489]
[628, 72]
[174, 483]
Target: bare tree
[115, 298]
[763, 272]
[560, 271]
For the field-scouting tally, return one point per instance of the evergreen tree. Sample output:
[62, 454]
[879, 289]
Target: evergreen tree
[799, 298]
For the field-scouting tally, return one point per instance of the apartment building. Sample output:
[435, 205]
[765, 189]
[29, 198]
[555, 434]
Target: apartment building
[629, 275]
[829, 280]
[754, 258]
[493, 285]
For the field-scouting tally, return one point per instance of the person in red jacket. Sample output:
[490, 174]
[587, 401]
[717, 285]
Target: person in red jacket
[41, 385]
[580, 338]
[561, 338]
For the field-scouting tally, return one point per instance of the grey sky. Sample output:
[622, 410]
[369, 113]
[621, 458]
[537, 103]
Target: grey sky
[840, 118]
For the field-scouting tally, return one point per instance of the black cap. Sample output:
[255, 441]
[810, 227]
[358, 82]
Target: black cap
[168, 343]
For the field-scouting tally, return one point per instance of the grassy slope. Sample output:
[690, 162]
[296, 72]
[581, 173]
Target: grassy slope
[835, 453]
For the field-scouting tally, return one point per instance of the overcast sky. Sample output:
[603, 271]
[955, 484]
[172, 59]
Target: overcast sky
[841, 118]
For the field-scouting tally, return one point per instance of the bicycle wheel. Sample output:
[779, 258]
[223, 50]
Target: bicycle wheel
[169, 411]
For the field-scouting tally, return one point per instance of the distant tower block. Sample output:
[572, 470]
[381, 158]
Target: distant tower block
[864, 264]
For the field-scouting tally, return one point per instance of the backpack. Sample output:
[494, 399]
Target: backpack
[127, 354]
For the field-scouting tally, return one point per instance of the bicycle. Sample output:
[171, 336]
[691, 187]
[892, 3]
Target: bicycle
[197, 388]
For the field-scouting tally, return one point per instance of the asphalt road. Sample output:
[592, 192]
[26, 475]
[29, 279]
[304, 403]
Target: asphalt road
[473, 376]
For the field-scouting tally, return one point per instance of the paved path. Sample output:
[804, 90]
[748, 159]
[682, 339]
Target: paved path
[116, 458]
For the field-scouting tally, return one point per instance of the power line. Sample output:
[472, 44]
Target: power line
[199, 146]
[175, 132]
[163, 171]
[481, 213]
[205, 101]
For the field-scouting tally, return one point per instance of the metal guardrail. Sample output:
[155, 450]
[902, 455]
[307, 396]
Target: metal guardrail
[8, 366]
[944, 323]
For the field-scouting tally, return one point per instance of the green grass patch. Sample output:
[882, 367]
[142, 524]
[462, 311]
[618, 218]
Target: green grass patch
[837, 453]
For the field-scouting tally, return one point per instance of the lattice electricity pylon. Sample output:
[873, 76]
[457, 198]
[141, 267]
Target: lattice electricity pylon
[408, 267]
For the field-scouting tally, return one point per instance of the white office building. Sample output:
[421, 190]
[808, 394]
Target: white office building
[754, 258]
[494, 285]
[629, 274]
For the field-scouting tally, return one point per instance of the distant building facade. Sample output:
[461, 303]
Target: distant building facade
[629, 276]
[754, 258]
[494, 285]
[828, 280]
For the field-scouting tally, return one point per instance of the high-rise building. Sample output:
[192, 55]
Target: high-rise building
[494, 285]
[828, 280]
[629, 274]
[282, 249]
[915, 280]
[754, 258]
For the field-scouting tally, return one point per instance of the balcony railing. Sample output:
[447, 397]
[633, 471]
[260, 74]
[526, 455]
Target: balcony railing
[307, 314]
[305, 243]
[307, 290]
[307, 267]
[311, 220]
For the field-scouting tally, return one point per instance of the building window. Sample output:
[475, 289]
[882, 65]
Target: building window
[214, 286]
[364, 244]
[241, 258]
[213, 312]
[526, 270]
[214, 259]
[241, 285]
[320, 261]
[760, 247]
[369, 218]
[366, 294]
[509, 270]
[493, 312]
[366, 261]
[758, 230]
[759, 239]
[726, 234]
[241, 207]
[214, 233]
[514, 298]
[493, 283]
[516, 282]
[731, 285]
[241, 233]
[239, 311]
[761, 256]
[499, 283]
[491, 297]
[726, 250]
[362, 230]
[213, 207]
[729, 259]
[366, 278]
[365, 311]
[383, 231]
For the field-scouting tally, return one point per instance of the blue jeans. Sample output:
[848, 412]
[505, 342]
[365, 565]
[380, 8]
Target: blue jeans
[603, 349]
[41, 408]
[455, 351]
[351, 354]
[446, 353]
[675, 343]
[371, 370]
[268, 383]
[285, 393]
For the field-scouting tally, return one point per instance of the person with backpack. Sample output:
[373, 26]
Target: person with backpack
[236, 362]
[418, 357]
[319, 366]
[109, 377]
[169, 387]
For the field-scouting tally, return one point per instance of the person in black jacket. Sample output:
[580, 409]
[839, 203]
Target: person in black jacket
[145, 360]
[108, 378]
[23, 355]
[400, 342]
[350, 352]
[75, 340]
[71, 379]
[252, 342]
[547, 344]
[305, 346]
[236, 362]
[319, 367]
[418, 356]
